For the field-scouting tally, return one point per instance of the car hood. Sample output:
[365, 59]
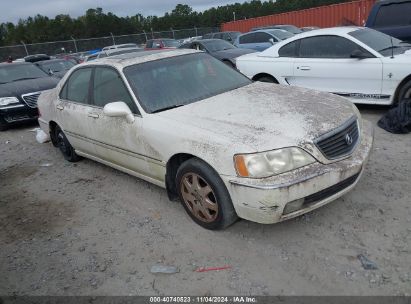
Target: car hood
[233, 53]
[264, 116]
[18, 88]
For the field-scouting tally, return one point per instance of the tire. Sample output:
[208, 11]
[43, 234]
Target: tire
[204, 195]
[3, 125]
[65, 147]
[405, 91]
[267, 79]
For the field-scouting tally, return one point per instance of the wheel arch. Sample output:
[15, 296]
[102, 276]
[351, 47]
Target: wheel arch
[171, 172]
[261, 75]
[52, 128]
[398, 89]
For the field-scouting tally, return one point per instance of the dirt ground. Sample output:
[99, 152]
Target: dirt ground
[87, 229]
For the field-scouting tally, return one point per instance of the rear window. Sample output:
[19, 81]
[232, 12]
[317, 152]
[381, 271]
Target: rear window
[395, 14]
[289, 50]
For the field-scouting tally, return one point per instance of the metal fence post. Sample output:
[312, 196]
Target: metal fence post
[75, 44]
[152, 33]
[195, 28]
[145, 34]
[112, 37]
[25, 47]
[174, 36]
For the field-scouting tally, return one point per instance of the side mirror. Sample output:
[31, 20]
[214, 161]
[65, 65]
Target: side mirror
[118, 109]
[359, 54]
[271, 40]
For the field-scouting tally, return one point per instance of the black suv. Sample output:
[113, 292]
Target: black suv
[20, 86]
[392, 17]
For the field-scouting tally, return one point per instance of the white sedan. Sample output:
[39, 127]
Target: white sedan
[361, 64]
[227, 147]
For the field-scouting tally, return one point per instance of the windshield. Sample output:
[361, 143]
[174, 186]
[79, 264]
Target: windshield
[14, 72]
[181, 80]
[217, 45]
[170, 43]
[281, 34]
[380, 42]
[291, 28]
[56, 66]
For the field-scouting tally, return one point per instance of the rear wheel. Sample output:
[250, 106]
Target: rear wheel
[65, 147]
[267, 79]
[204, 195]
[405, 91]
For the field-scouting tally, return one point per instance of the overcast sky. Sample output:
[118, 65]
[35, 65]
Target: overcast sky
[11, 11]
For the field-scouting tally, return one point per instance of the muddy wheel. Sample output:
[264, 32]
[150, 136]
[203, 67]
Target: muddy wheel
[65, 147]
[204, 195]
[405, 91]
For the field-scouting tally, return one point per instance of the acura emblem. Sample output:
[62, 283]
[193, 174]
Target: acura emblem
[348, 139]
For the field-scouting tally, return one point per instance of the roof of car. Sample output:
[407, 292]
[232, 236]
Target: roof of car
[140, 57]
[2, 64]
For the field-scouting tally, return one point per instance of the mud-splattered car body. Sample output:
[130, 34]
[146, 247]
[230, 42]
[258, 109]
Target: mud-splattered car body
[256, 117]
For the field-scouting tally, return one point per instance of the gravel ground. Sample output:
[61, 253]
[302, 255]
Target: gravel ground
[87, 229]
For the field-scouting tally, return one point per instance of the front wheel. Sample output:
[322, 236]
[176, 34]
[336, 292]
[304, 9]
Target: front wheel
[204, 195]
[65, 147]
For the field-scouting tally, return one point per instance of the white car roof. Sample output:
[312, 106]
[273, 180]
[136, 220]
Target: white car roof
[121, 61]
[339, 31]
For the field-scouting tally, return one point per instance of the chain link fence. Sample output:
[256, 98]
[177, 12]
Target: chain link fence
[84, 45]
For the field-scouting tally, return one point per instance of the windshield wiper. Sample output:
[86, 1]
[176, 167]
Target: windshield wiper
[167, 108]
[391, 47]
[25, 78]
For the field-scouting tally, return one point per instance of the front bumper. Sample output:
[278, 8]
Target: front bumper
[17, 114]
[263, 200]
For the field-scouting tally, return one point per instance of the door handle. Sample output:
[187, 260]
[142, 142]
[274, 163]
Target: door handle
[59, 107]
[305, 68]
[93, 115]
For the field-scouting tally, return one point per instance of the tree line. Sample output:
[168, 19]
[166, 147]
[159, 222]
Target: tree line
[96, 23]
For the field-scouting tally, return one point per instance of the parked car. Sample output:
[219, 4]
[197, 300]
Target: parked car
[56, 67]
[20, 86]
[309, 28]
[289, 28]
[162, 43]
[36, 57]
[220, 49]
[119, 51]
[359, 63]
[120, 46]
[227, 147]
[262, 39]
[227, 36]
[392, 17]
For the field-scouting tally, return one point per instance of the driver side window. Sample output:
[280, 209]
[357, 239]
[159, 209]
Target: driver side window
[109, 87]
[331, 47]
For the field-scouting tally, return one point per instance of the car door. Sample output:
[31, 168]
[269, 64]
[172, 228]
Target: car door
[117, 141]
[324, 63]
[73, 110]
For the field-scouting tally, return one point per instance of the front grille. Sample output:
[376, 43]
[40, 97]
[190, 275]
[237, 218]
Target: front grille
[31, 99]
[341, 141]
[323, 194]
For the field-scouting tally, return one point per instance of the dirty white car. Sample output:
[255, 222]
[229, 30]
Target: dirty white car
[225, 146]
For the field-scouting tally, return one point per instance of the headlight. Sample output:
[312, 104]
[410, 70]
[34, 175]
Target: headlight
[265, 164]
[5, 101]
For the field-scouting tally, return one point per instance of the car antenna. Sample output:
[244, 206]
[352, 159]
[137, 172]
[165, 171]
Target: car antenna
[392, 49]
